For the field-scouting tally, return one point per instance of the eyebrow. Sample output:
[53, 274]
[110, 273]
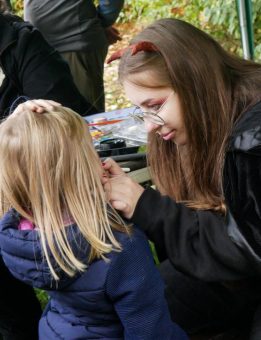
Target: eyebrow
[145, 102]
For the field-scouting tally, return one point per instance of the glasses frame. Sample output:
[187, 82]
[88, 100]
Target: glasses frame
[150, 116]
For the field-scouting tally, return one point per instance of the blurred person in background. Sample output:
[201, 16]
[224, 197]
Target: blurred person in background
[32, 68]
[81, 32]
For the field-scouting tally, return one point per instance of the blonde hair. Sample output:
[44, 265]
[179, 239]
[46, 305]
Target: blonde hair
[49, 168]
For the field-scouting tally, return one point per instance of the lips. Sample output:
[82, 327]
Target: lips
[169, 135]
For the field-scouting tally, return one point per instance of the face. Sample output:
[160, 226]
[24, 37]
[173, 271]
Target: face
[163, 101]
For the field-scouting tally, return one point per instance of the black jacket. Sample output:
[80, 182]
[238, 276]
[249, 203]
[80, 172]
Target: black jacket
[34, 69]
[205, 244]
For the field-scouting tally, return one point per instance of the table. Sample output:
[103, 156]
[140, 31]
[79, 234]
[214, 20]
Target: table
[135, 161]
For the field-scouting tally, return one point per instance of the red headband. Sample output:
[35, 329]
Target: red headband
[145, 46]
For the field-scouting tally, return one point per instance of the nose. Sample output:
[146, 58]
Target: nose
[149, 126]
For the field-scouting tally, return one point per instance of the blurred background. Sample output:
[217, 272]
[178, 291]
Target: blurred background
[216, 17]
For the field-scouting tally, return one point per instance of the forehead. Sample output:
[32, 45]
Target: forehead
[138, 93]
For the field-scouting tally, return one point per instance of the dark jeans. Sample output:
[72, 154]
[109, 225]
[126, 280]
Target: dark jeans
[20, 310]
[87, 68]
[199, 306]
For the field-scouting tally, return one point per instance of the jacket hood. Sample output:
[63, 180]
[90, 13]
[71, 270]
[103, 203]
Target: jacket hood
[23, 255]
[247, 132]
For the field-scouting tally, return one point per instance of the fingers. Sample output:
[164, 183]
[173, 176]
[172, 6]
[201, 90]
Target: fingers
[112, 168]
[47, 104]
[120, 206]
[123, 193]
[41, 105]
[104, 179]
[36, 105]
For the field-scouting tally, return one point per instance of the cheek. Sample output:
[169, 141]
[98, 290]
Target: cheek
[179, 117]
[174, 114]
[175, 120]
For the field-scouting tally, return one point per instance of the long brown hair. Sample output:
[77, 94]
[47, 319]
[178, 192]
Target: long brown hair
[49, 169]
[214, 88]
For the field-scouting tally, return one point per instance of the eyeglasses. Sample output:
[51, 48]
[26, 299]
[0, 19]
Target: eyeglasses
[150, 116]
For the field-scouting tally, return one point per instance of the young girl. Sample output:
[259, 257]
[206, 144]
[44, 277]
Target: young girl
[202, 110]
[58, 234]
[31, 68]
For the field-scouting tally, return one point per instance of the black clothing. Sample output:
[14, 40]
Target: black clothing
[213, 307]
[34, 69]
[203, 244]
[20, 311]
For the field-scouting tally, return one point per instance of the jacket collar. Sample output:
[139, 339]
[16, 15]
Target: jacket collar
[246, 135]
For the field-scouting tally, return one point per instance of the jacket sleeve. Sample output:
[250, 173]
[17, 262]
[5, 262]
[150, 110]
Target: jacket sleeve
[109, 10]
[137, 292]
[205, 244]
[42, 73]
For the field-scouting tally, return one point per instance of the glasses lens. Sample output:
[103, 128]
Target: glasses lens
[139, 115]
[155, 119]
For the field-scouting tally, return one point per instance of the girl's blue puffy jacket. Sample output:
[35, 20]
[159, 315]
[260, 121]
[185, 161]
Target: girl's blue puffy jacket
[119, 299]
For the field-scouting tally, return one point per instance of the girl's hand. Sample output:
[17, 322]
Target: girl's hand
[122, 192]
[36, 105]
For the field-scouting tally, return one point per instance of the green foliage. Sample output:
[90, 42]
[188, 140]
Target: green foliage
[42, 297]
[18, 7]
[216, 17]
[145, 10]
[154, 253]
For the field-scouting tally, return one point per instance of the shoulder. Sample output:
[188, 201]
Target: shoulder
[136, 239]
[17, 30]
[9, 28]
[246, 135]
[135, 251]
[17, 36]
[13, 25]
[134, 260]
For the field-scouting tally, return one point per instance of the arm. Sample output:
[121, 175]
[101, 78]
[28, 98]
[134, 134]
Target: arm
[196, 242]
[203, 243]
[42, 73]
[137, 292]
